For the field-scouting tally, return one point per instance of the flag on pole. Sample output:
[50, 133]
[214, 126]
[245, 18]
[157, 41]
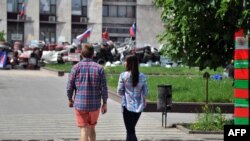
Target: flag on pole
[22, 12]
[86, 34]
[132, 30]
[105, 35]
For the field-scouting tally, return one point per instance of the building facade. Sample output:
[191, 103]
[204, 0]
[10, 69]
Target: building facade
[56, 21]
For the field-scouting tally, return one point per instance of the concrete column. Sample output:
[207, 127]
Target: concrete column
[3, 16]
[63, 28]
[148, 23]
[32, 24]
[95, 20]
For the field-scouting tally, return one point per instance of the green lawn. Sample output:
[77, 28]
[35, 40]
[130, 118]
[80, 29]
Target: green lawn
[186, 88]
[147, 70]
[60, 67]
[164, 71]
[188, 84]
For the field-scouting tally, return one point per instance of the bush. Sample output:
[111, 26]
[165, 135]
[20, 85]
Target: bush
[2, 36]
[210, 120]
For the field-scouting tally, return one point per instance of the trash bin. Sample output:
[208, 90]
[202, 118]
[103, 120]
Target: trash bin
[164, 100]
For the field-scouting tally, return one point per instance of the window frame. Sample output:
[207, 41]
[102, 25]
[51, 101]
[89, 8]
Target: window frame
[52, 3]
[48, 30]
[84, 8]
[107, 14]
[16, 5]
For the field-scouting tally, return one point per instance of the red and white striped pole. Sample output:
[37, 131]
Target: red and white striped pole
[241, 79]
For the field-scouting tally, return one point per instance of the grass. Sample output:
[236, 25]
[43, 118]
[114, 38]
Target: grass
[60, 67]
[147, 70]
[188, 84]
[164, 71]
[186, 88]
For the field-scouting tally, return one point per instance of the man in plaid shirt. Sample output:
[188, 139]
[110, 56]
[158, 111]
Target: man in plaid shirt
[85, 88]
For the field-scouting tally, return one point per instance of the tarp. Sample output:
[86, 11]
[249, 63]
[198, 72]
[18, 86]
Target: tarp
[3, 58]
[50, 56]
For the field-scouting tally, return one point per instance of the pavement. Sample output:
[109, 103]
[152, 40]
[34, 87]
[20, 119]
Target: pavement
[51, 126]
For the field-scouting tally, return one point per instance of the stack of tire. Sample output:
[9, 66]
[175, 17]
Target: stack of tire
[241, 78]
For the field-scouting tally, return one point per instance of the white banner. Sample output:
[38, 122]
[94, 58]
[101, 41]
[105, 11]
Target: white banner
[16, 36]
[74, 57]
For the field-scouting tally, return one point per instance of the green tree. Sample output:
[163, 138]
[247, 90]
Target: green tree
[201, 32]
[2, 36]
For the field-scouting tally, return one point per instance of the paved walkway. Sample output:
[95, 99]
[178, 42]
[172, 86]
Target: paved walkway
[110, 127]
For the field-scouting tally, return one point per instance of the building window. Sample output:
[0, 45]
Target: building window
[76, 7]
[15, 32]
[105, 11]
[116, 25]
[14, 5]
[84, 11]
[84, 2]
[131, 11]
[117, 30]
[79, 7]
[48, 33]
[118, 11]
[48, 7]
[122, 11]
[112, 11]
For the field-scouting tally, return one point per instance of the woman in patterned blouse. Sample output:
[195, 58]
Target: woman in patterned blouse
[132, 86]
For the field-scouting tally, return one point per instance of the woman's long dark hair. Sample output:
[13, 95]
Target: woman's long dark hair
[132, 66]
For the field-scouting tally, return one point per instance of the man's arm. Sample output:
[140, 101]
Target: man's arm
[104, 90]
[71, 86]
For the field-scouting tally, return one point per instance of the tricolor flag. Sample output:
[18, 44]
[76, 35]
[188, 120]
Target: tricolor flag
[86, 34]
[132, 30]
[22, 12]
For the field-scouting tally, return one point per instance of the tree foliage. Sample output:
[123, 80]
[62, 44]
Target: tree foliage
[2, 36]
[201, 32]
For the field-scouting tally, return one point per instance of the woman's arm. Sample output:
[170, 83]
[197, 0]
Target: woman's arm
[121, 86]
[145, 86]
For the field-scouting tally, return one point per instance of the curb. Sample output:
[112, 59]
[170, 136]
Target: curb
[177, 107]
[191, 107]
[56, 72]
[106, 140]
[183, 128]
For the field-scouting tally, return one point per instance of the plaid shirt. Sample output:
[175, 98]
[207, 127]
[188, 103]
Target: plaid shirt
[133, 98]
[88, 80]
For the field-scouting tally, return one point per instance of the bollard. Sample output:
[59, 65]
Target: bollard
[206, 76]
[60, 73]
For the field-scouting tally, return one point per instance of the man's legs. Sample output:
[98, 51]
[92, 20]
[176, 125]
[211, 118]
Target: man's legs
[87, 121]
[84, 134]
[87, 134]
[92, 134]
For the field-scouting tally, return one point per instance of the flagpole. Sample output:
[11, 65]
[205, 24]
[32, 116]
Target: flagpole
[18, 25]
